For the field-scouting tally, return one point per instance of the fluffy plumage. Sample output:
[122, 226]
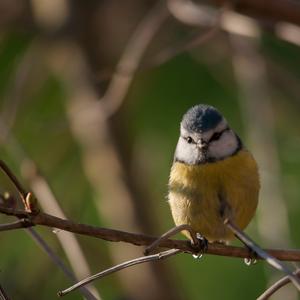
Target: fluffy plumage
[213, 176]
[201, 118]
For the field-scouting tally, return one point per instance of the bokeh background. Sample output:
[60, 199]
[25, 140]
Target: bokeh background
[91, 96]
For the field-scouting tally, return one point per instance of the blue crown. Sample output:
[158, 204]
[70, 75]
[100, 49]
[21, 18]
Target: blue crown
[201, 118]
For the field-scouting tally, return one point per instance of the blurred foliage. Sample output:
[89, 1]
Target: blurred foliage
[148, 122]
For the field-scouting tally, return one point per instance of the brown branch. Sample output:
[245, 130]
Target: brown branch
[25, 222]
[126, 264]
[28, 218]
[14, 179]
[141, 239]
[21, 223]
[31, 207]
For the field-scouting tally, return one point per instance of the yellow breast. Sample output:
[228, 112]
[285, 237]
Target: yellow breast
[203, 195]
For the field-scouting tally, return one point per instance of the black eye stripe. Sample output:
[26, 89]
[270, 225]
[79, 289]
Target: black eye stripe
[217, 135]
[214, 137]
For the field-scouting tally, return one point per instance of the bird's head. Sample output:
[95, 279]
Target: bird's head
[205, 137]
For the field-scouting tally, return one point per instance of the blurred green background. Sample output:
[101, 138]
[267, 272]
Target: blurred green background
[57, 59]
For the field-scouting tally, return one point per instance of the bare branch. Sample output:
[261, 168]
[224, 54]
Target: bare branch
[25, 223]
[170, 233]
[14, 180]
[276, 286]
[37, 238]
[49, 203]
[131, 57]
[30, 205]
[56, 259]
[141, 239]
[169, 53]
[21, 223]
[129, 263]
[263, 254]
[200, 16]
[34, 217]
[3, 295]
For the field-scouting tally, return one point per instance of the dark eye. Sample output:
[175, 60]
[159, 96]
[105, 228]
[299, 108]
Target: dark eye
[216, 136]
[189, 140]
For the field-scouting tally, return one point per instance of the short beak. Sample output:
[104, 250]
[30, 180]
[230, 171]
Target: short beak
[202, 145]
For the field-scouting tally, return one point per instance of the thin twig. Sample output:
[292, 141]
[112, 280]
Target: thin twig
[276, 286]
[214, 28]
[3, 295]
[21, 223]
[131, 57]
[275, 263]
[167, 54]
[170, 233]
[135, 261]
[26, 222]
[49, 203]
[40, 241]
[58, 262]
[14, 179]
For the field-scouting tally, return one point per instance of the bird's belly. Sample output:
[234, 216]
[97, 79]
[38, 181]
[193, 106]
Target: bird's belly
[202, 213]
[203, 196]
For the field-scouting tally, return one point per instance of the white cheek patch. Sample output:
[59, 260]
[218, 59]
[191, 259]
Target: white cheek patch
[223, 147]
[185, 152]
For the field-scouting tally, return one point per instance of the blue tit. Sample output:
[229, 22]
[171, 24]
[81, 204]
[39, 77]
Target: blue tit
[213, 176]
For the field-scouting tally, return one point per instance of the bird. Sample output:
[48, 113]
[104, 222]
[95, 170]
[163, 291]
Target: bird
[213, 176]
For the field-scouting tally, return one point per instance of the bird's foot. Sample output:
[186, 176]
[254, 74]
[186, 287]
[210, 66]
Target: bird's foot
[201, 246]
[252, 259]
